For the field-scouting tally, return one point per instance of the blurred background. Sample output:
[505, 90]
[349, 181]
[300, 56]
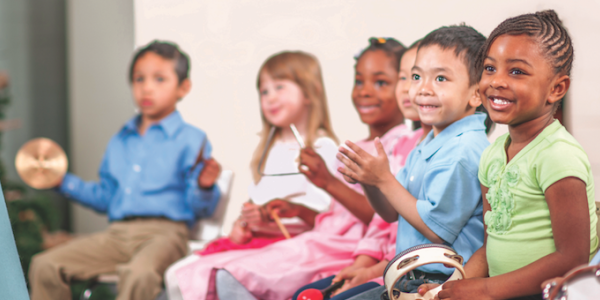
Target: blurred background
[67, 62]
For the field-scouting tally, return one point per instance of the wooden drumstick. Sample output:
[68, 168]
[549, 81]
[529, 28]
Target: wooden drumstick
[280, 225]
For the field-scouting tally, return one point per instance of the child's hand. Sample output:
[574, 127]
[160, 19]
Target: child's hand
[314, 168]
[283, 208]
[209, 174]
[550, 281]
[424, 288]
[343, 274]
[253, 215]
[353, 278]
[362, 167]
[240, 234]
[467, 289]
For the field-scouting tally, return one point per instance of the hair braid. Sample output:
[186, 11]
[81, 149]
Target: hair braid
[547, 28]
[392, 47]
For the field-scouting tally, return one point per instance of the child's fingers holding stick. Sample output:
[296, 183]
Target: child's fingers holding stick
[280, 225]
[314, 168]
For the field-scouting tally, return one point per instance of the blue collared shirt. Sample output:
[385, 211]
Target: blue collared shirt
[151, 175]
[441, 173]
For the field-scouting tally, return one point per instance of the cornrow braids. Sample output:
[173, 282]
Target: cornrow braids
[390, 46]
[547, 29]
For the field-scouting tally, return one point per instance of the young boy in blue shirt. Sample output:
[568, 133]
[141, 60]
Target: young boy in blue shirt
[436, 198]
[156, 178]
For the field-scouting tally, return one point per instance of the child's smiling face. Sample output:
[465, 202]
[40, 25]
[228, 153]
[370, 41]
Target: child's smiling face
[517, 80]
[440, 87]
[403, 86]
[155, 86]
[282, 101]
[373, 94]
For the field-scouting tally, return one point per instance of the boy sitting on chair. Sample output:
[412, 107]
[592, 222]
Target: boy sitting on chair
[156, 178]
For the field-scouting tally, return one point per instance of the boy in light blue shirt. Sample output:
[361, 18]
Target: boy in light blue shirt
[156, 178]
[436, 198]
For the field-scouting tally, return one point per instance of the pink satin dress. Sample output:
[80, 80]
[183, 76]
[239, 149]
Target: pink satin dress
[278, 270]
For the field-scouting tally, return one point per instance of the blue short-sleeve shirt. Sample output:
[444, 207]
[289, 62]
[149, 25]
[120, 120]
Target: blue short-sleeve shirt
[441, 172]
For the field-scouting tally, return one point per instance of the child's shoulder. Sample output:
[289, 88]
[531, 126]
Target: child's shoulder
[559, 137]
[190, 130]
[559, 147]
[466, 146]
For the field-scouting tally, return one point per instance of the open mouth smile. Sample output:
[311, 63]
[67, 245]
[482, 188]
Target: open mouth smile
[365, 109]
[499, 103]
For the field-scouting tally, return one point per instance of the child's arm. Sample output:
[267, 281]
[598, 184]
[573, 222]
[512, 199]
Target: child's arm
[368, 170]
[380, 203]
[567, 201]
[315, 169]
[202, 197]
[95, 195]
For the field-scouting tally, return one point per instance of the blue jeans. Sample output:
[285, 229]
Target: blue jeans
[325, 282]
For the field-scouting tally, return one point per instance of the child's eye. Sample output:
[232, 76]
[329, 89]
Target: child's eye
[138, 79]
[441, 79]
[516, 72]
[489, 68]
[358, 82]
[263, 92]
[279, 87]
[403, 78]
[160, 79]
[416, 77]
[380, 83]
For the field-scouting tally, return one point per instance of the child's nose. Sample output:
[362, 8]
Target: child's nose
[498, 81]
[424, 88]
[366, 90]
[147, 86]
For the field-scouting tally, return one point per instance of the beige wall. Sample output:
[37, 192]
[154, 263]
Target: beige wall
[228, 40]
[100, 43]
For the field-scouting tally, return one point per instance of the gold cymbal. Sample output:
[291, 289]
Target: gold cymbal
[41, 163]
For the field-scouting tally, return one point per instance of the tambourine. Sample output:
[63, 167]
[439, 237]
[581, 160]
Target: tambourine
[581, 283]
[414, 257]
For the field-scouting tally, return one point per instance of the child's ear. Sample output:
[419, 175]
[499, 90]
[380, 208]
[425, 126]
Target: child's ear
[184, 88]
[560, 86]
[475, 96]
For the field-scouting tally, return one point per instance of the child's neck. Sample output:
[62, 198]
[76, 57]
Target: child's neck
[378, 130]
[522, 134]
[426, 131]
[287, 136]
[146, 120]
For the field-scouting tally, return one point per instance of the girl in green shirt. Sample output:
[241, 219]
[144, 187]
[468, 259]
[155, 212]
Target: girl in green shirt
[536, 181]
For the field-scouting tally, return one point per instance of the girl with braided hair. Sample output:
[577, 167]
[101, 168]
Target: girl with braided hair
[536, 180]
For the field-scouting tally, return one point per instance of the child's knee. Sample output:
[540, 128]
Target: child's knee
[136, 276]
[42, 267]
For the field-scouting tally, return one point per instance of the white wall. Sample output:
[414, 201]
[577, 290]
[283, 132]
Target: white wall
[228, 40]
[100, 44]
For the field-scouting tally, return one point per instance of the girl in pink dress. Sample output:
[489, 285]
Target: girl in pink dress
[378, 246]
[278, 270]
